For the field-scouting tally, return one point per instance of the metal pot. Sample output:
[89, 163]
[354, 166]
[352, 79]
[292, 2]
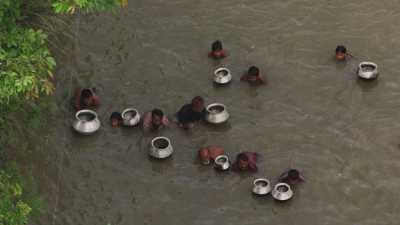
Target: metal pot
[130, 117]
[86, 122]
[368, 70]
[216, 113]
[222, 75]
[282, 192]
[261, 186]
[222, 162]
[161, 147]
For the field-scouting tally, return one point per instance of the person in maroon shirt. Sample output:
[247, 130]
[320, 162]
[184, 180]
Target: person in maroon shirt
[207, 155]
[115, 119]
[246, 161]
[217, 52]
[253, 76]
[86, 98]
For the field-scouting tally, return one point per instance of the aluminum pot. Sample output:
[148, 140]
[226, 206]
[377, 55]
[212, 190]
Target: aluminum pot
[261, 186]
[161, 147]
[282, 192]
[368, 70]
[217, 113]
[86, 122]
[222, 75]
[130, 117]
[222, 162]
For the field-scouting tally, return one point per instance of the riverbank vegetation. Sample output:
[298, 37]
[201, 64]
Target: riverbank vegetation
[26, 75]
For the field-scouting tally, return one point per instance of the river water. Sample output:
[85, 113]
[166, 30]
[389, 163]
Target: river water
[314, 114]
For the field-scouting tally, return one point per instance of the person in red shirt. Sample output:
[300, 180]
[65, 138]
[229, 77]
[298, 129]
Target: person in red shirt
[341, 53]
[116, 119]
[207, 155]
[217, 52]
[86, 98]
[253, 76]
[246, 161]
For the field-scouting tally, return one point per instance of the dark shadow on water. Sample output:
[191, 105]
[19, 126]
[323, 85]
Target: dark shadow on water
[222, 86]
[223, 127]
[159, 166]
[367, 85]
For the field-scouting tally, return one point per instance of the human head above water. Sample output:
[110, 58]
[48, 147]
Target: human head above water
[86, 97]
[198, 104]
[216, 46]
[242, 161]
[115, 119]
[341, 52]
[253, 71]
[293, 174]
[157, 116]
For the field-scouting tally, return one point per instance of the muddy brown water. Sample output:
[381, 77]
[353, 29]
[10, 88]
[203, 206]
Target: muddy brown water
[314, 114]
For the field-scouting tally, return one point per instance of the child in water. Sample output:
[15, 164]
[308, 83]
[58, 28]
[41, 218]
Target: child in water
[291, 177]
[217, 52]
[253, 76]
[341, 53]
[86, 98]
[115, 119]
[207, 155]
[246, 161]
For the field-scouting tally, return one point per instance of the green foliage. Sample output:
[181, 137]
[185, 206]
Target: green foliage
[9, 13]
[71, 6]
[13, 209]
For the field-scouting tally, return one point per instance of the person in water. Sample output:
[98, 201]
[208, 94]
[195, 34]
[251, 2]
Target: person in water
[341, 53]
[217, 52]
[207, 155]
[115, 119]
[291, 177]
[246, 161]
[86, 98]
[253, 75]
[191, 113]
[154, 120]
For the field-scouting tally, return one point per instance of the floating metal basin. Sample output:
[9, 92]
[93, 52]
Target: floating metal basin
[222, 162]
[130, 117]
[261, 186]
[368, 70]
[161, 148]
[222, 75]
[86, 122]
[217, 113]
[282, 192]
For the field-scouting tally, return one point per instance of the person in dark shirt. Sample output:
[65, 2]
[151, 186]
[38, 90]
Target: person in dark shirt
[341, 53]
[217, 52]
[291, 177]
[86, 98]
[253, 76]
[191, 113]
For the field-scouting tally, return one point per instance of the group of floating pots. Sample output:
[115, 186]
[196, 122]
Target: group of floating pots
[280, 192]
[87, 122]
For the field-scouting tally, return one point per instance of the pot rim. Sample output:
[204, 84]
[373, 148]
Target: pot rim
[160, 137]
[221, 69]
[215, 104]
[367, 63]
[219, 157]
[129, 110]
[280, 185]
[261, 179]
[85, 111]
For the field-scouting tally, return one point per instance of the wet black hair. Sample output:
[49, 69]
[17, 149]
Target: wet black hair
[293, 174]
[341, 48]
[86, 93]
[116, 116]
[253, 71]
[216, 45]
[157, 112]
[243, 157]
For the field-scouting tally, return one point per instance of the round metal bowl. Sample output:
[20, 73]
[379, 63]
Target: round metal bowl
[217, 113]
[130, 117]
[222, 75]
[222, 162]
[368, 70]
[261, 186]
[86, 122]
[282, 192]
[161, 148]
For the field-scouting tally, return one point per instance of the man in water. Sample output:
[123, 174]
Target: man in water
[86, 98]
[154, 120]
[115, 119]
[291, 177]
[191, 113]
[207, 155]
[341, 53]
[246, 161]
[253, 76]
[217, 52]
